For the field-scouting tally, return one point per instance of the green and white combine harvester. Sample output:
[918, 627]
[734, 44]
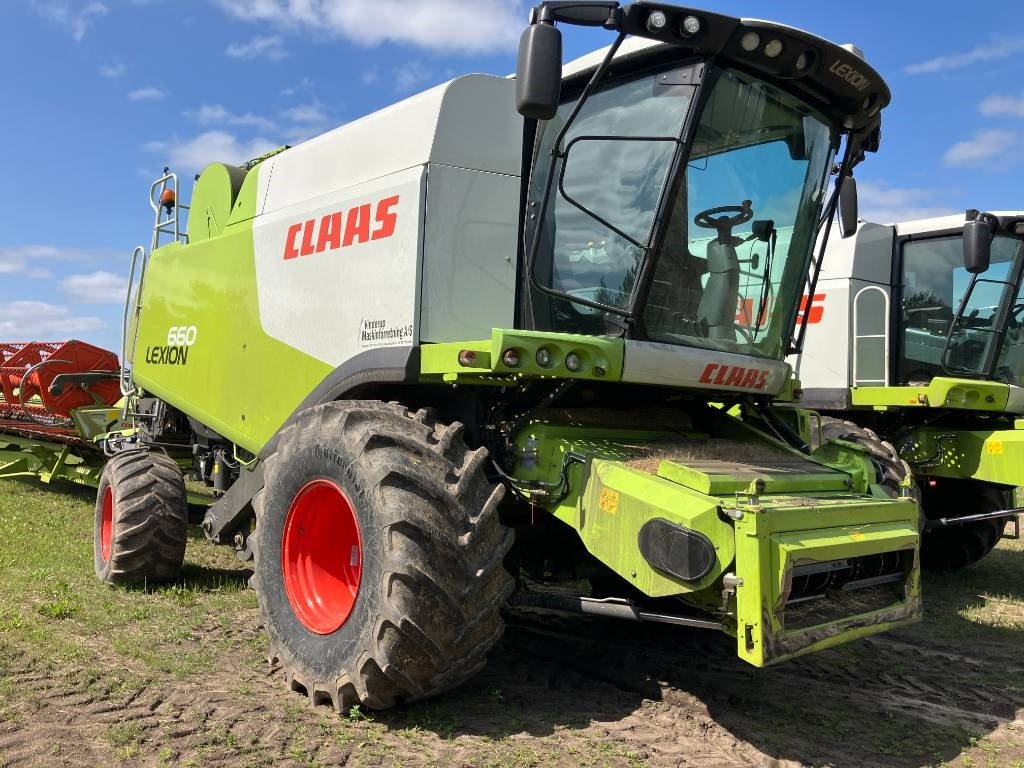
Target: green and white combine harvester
[915, 336]
[466, 350]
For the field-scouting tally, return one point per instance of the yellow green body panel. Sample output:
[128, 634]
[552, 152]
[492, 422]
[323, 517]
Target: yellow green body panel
[940, 392]
[776, 534]
[616, 504]
[964, 447]
[599, 359]
[989, 455]
[722, 479]
[762, 522]
[32, 457]
[233, 378]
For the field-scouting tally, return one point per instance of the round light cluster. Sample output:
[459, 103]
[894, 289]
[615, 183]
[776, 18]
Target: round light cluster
[773, 48]
[656, 21]
[750, 41]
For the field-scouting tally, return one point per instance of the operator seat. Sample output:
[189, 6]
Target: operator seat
[717, 307]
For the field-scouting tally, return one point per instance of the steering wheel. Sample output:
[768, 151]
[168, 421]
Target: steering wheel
[746, 334]
[724, 224]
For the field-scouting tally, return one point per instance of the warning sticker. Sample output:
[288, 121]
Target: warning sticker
[609, 501]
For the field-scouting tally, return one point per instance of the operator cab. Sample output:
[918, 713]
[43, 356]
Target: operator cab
[963, 313]
[676, 191]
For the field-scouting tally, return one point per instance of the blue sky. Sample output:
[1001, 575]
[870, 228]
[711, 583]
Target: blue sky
[98, 95]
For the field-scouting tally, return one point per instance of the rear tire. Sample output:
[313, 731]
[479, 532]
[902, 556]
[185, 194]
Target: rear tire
[958, 546]
[141, 520]
[408, 603]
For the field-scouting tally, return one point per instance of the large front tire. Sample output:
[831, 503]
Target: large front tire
[378, 555]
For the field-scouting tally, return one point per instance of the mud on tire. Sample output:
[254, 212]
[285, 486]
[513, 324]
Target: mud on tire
[141, 520]
[890, 469]
[431, 580]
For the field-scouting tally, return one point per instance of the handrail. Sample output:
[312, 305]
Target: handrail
[127, 383]
[171, 224]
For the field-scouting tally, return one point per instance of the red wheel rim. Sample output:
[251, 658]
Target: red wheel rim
[107, 523]
[321, 557]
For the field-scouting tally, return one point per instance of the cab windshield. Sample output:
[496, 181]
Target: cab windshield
[721, 225]
[987, 340]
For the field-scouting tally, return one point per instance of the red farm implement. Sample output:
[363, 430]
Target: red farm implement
[47, 390]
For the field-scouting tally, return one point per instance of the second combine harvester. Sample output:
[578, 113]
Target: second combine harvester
[445, 354]
[915, 336]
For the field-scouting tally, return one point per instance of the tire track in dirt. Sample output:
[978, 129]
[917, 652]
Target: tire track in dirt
[886, 687]
[69, 720]
[651, 695]
[668, 726]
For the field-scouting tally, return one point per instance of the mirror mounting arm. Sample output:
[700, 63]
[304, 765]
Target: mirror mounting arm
[584, 13]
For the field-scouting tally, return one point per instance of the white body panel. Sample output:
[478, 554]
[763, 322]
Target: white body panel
[335, 303]
[851, 265]
[429, 188]
[469, 122]
[826, 358]
[672, 365]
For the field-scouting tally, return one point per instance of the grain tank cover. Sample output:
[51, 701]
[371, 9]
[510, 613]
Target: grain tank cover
[212, 200]
[470, 122]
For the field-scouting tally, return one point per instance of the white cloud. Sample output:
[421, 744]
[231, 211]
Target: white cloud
[997, 48]
[38, 320]
[96, 288]
[25, 259]
[217, 114]
[304, 85]
[211, 146]
[307, 120]
[307, 114]
[271, 48]
[984, 147]
[409, 76]
[147, 94]
[440, 25]
[371, 76]
[883, 204]
[75, 15]
[113, 69]
[996, 105]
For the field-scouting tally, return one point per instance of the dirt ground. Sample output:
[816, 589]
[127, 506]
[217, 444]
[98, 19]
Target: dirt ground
[176, 676]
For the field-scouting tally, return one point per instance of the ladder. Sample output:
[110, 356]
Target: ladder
[167, 224]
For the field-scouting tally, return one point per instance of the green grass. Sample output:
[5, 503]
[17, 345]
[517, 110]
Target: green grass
[52, 600]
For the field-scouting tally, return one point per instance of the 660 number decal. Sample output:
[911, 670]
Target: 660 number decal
[181, 335]
[180, 339]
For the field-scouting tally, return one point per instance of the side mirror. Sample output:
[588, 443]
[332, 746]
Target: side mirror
[848, 207]
[539, 72]
[977, 246]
